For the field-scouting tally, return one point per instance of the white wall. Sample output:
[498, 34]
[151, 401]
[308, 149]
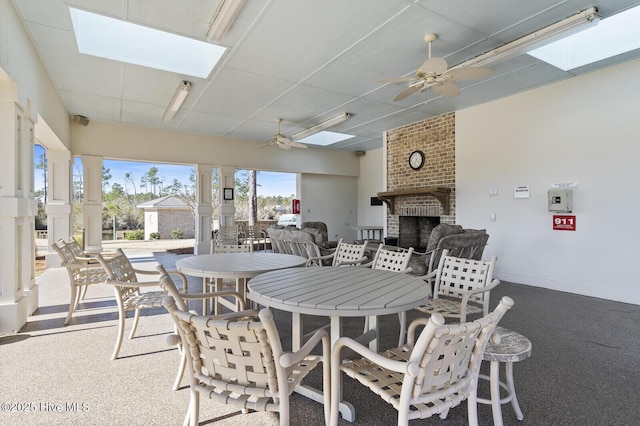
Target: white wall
[583, 130]
[332, 200]
[20, 61]
[371, 182]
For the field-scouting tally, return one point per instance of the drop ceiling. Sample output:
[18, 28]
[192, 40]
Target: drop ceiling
[302, 60]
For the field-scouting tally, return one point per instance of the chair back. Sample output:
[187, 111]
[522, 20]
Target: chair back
[395, 259]
[457, 275]
[305, 250]
[233, 359]
[448, 357]
[65, 252]
[75, 247]
[227, 235]
[348, 253]
[468, 244]
[118, 267]
[233, 248]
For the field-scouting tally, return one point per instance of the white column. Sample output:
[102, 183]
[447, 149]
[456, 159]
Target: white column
[18, 293]
[92, 203]
[226, 208]
[59, 201]
[203, 209]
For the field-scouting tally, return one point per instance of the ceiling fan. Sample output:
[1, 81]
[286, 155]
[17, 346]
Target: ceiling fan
[434, 74]
[281, 141]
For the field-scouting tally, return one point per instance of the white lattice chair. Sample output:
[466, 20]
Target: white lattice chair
[82, 273]
[421, 379]
[240, 362]
[181, 298]
[462, 287]
[345, 254]
[129, 297]
[394, 259]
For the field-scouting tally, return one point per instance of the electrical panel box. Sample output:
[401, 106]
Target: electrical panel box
[560, 200]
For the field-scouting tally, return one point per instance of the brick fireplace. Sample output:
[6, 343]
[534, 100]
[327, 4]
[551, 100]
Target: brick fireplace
[415, 212]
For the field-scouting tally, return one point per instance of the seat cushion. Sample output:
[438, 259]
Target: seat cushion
[440, 231]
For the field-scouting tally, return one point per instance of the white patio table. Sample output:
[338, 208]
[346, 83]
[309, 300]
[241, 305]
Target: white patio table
[337, 292]
[238, 266]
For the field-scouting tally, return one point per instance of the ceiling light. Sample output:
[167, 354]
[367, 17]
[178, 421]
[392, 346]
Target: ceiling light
[176, 101]
[536, 39]
[224, 18]
[322, 126]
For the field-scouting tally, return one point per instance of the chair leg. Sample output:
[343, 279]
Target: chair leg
[121, 317]
[181, 368]
[472, 407]
[73, 304]
[84, 292]
[136, 318]
[402, 317]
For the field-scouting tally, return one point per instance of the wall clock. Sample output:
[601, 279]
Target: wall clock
[416, 160]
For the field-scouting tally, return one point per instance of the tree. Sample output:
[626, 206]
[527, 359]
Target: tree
[129, 178]
[42, 165]
[253, 198]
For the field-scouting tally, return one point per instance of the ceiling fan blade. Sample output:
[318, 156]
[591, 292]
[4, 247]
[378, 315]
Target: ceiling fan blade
[398, 79]
[297, 145]
[448, 88]
[469, 73]
[414, 88]
[434, 66]
[265, 145]
[283, 145]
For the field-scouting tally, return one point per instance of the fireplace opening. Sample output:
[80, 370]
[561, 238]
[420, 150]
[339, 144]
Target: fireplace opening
[414, 231]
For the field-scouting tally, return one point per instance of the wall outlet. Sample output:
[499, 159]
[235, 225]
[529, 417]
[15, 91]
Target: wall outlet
[493, 191]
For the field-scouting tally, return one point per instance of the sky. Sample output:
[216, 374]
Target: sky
[269, 183]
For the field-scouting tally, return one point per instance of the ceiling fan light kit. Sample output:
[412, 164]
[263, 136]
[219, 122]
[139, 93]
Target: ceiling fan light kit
[322, 126]
[434, 73]
[282, 141]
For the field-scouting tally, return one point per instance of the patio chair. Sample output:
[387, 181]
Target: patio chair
[344, 255]
[395, 259]
[239, 361]
[81, 273]
[253, 235]
[82, 255]
[181, 298]
[123, 277]
[427, 376]
[462, 287]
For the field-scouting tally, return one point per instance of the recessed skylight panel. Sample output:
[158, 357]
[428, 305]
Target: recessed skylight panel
[123, 41]
[325, 138]
[612, 36]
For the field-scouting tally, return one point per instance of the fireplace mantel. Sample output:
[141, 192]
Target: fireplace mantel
[441, 193]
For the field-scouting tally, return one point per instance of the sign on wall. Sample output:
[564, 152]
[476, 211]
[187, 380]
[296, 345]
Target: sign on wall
[564, 222]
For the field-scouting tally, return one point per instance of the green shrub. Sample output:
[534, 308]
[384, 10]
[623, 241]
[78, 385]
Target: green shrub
[177, 234]
[138, 234]
[154, 235]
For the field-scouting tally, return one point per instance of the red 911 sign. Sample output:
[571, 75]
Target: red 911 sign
[564, 222]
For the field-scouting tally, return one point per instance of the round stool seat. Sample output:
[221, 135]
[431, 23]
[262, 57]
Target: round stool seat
[512, 347]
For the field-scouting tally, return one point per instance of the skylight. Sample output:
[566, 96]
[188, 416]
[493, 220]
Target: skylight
[325, 138]
[612, 36]
[123, 41]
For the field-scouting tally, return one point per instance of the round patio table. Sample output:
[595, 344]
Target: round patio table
[238, 266]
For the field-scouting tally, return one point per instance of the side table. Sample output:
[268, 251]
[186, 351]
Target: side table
[512, 347]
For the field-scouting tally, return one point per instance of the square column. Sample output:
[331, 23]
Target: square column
[18, 292]
[92, 203]
[203, 209]
[59, 207]
[226, 208]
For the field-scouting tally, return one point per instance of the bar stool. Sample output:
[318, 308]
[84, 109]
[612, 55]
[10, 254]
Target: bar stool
[511, 347]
